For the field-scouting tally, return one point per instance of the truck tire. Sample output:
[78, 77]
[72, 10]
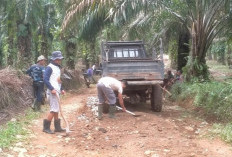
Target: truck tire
[156, 98]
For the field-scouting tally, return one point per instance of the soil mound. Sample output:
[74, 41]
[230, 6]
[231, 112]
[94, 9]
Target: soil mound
[16, 93]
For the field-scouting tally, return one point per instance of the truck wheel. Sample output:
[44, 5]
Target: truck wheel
[156, 98]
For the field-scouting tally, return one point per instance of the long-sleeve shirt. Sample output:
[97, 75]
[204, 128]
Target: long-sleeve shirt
[90, 72]
[36, 72]
[52, 77]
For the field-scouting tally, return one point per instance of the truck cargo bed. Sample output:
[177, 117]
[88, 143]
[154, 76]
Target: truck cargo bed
[134, 70]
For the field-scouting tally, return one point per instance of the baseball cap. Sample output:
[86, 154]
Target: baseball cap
[41, 58]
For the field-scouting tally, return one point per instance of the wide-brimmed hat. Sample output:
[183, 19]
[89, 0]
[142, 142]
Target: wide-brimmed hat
[56, 55]
[41, 58]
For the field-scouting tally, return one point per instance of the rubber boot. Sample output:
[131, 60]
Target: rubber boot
[46, 126]
[37, 106]
[100, 108]
[34, 105]
[57, 126]
[43, 101]
[112, 110]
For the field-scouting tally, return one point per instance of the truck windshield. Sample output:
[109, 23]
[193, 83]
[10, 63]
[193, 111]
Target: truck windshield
[124, 53]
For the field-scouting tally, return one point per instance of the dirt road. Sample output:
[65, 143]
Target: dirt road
[175, 132]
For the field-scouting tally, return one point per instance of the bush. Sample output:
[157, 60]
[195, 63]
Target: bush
[214, 97]
[226, 133]
[16, 93]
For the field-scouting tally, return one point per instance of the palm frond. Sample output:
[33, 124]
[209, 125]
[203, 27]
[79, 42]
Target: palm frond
[77, 9]
[116, 9]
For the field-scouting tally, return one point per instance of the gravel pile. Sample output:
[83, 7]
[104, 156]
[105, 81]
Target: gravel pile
[92, 104]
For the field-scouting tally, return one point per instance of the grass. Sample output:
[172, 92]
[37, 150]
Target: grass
[215, 66]
[214, 98]
[222, 130]
[16, 129]
[226, 133]
[221, 72]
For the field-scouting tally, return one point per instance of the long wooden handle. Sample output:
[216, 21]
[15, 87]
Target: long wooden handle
[61, 113]
[126, 110]
[165, 90]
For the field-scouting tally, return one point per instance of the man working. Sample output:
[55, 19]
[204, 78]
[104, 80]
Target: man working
[105, 88]
[53, 83]
[36, 72]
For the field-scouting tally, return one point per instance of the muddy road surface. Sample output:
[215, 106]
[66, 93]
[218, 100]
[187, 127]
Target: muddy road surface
[174, 132]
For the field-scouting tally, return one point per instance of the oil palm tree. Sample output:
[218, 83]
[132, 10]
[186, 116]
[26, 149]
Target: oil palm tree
[203, 20]
[27, 16]
[25, 21]
[7, 31]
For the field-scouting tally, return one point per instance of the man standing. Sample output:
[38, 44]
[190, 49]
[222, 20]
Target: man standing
[105, 88]
[90, 75]
[36, 72]
[94, 69]
[53, 83]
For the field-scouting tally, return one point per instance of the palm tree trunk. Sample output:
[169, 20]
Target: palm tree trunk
[71, 54]
[11, 53]
[183, 49]
[1, 55]
[24, 45]
[229, 55]
[197, 64]
[209, 54]
[10, 40]
[93, 51]
[44, 45]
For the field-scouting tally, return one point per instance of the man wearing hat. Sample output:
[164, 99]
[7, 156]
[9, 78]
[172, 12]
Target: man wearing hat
[53, 83]
[36, 72]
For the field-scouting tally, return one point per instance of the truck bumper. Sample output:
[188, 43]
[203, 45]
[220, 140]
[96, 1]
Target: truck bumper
[144, 82]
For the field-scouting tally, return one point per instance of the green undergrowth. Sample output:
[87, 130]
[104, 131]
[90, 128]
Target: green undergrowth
[217, 67]
[213, 98]
[16, 129]
[224, 131]
[220, 72]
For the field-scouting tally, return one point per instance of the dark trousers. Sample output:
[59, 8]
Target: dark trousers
[105, 94]
[38, 91]
[91, 79]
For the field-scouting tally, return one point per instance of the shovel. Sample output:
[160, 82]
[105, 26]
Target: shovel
[165, 90]
[128, 111]
[61, 113]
